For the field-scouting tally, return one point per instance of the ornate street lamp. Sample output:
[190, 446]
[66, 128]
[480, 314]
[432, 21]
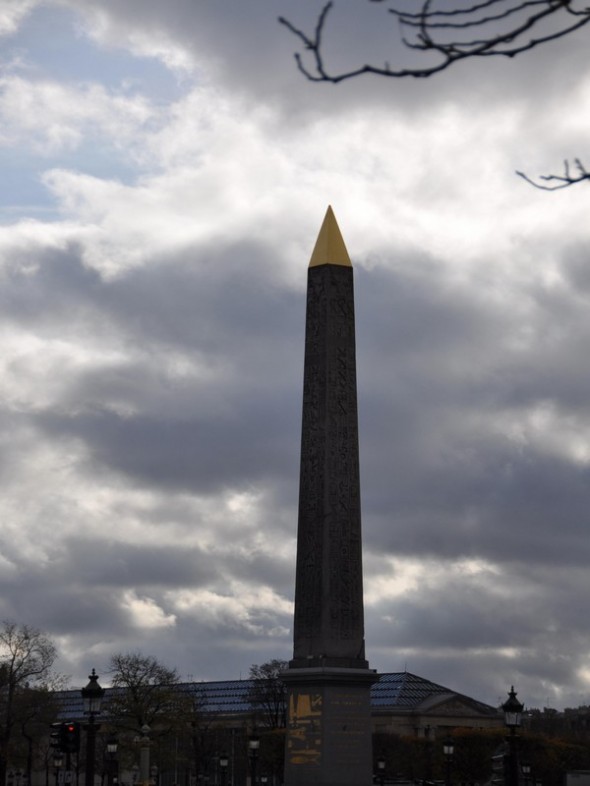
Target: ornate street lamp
[253, 746]
[512, 710]
[92, 697]
[448, 751]
[512, 718]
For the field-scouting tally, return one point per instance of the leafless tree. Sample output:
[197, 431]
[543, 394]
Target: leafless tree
[145, 692]
[446, 33]
[26, 661]
[268, 693]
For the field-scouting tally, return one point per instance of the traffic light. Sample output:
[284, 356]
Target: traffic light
[70, 737]
[55, 737]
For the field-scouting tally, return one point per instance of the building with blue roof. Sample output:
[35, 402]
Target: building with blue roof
[401, 703]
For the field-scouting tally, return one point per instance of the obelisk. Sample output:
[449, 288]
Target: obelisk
[329, 725]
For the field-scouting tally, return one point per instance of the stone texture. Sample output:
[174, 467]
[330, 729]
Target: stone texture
[329, 622]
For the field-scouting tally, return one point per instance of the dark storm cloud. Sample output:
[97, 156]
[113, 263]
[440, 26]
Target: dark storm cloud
[439, 373]
[199, 299]
[40, 289]
[520, 624]
[116, 564]
[179, 454]
[215, 308]
[108, 567]
[460, 622]
[466, 616]
[59, 606]
[454, 469]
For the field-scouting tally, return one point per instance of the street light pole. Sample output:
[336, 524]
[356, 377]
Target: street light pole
[112, 745]
[144, 755]
[58, 764]
[381, 769]
[223, 763]
[512, 718]
[448, 750]
[92, 696]
[253, 746]
[526, 771]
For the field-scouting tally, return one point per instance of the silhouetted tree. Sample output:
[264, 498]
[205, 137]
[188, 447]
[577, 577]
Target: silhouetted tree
[35, 710]
[450, 32]
[144, 692]
[268, 692]
[26, 660]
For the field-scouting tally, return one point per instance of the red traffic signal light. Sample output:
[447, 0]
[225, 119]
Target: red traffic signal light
[70, 737]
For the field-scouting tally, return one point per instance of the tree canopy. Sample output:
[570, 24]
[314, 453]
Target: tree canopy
[268, 692]
[26, 661]
[147, 692]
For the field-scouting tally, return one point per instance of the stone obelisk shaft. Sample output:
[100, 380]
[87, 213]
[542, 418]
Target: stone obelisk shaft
[328, 625]
[328, 741]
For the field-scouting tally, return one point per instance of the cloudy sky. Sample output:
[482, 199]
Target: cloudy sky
[165, 170]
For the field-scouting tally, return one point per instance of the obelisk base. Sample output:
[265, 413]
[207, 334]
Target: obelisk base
[328, 739]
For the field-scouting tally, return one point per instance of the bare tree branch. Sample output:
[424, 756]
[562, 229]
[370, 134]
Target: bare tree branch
[490, 28]
[445, 32]
[559, 181]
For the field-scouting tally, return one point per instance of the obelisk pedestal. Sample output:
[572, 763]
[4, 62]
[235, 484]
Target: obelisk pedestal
[329, 720]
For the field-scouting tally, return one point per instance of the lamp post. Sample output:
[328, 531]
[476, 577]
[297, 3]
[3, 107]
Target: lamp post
[92, 696]
[112, 745]
[253, 746]
[512, 719]
[223, 764]
[526, 771]
[448, 751]
[58, 761]
[381, 769]
[144, 755]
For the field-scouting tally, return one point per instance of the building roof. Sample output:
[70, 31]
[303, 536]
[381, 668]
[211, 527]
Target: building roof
[393, 692]
[403, 691]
